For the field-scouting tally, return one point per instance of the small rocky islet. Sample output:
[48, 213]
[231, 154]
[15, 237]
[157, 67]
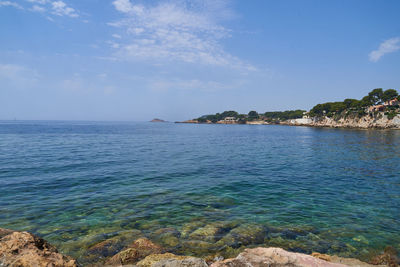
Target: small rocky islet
[196, 244]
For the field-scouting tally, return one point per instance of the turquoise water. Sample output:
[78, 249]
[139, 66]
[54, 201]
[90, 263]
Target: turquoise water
[308, 189]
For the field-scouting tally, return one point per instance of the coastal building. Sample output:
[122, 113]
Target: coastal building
[230, 119]
[393, 102]
[303, 121]
[376, 108]
[306, 115]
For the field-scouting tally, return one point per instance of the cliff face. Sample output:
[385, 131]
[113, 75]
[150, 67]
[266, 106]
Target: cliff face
[378, 120]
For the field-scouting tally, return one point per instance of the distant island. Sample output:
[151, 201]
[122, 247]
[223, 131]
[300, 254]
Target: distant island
[157, 120]
[378, 109]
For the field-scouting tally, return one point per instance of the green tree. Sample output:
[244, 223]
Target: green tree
[351, 103]
[366, 101]
[253, 115]
[389, 94]
[376, 96]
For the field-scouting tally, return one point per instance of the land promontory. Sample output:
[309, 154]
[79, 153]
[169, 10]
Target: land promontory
[379, 109]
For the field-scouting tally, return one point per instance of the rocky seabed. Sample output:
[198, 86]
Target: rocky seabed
[23, 249]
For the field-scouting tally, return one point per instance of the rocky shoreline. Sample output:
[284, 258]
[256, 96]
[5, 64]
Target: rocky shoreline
[372, 121]
[24, 249]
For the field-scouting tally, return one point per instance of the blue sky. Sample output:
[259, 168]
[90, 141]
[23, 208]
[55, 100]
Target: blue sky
[178, 59]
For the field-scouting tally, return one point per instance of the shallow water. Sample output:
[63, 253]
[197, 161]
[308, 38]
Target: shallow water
[310, 189]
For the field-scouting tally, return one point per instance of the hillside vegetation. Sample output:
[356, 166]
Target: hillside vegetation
[357, 107]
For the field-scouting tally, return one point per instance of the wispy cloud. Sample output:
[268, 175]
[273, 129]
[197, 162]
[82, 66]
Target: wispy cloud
[37, 8]
[11, 4]
[180, 30]
[57, 8]
[60, 8]
[193, 84]
[386, 47]
[17, 74]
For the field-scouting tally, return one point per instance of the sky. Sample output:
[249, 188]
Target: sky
[134, 60]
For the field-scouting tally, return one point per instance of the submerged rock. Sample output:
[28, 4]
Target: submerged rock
[190, 227]
[155, 258]
[111, 246]
[23, 249]
[197, 247]
[244, 235]
[139, 249]
[211, 232]
[168, 237]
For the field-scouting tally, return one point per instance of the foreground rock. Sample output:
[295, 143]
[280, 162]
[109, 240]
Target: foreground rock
[23, 249]
[262, 257]
[171, 260]
[188, 262]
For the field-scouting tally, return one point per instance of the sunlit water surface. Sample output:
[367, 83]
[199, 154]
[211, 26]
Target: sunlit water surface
[77, 183]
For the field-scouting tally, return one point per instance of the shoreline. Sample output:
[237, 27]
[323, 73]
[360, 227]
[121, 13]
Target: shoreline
[300, 125]
[25, 249]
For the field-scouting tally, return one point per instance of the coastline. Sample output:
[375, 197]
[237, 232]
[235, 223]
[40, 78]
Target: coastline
[372, 121]
[25, 249]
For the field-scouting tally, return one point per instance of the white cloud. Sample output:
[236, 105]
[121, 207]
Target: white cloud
[60, 8]
[17, 74]
[42, 2]
[182, 30]
[194, 84]
[37, 8]
[10, 3]
[386, 47]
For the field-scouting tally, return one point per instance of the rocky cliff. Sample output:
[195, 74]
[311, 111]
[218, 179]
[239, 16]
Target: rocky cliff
[373, 120]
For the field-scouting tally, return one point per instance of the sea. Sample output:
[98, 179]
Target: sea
[199, 189]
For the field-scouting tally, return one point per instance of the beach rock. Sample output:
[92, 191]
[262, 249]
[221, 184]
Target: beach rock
[277, 257]
[4, 232]
[155, 258]
[188, 262]
[261, 257]
[138, 250]
[352, 262]
[388, 257]
[324, 257]
[289, 244]
[22, 249]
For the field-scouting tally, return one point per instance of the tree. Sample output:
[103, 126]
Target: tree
[389, 94]
[253, 115]
[229, 113]
[351, 103]
[366, 101]
[376, 96]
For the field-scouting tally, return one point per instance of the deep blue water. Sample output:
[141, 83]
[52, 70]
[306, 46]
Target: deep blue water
[77, 183]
